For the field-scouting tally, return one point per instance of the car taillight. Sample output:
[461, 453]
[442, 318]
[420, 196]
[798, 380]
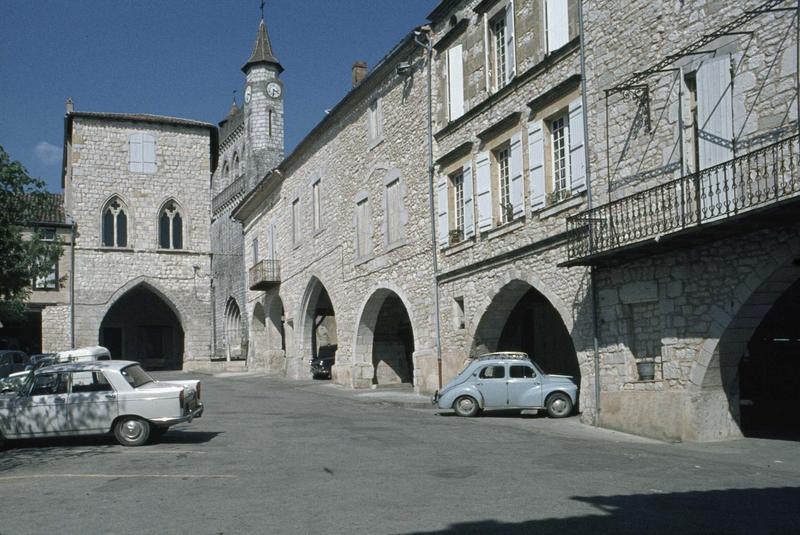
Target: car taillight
[181, 398]
[198, 391]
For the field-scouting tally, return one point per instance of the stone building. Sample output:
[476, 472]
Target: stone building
[138, 190]
[343, 262]
[251, 144]
[693, 235]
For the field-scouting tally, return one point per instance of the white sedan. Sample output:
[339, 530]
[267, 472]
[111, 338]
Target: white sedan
[86, 398]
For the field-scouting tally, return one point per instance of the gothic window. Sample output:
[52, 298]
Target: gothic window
[142, 153]
[236, 164]
[170, 227]
[115, 224]
[233, 329]
[226, 171]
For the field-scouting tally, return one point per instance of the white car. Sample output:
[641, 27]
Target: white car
[97, 397]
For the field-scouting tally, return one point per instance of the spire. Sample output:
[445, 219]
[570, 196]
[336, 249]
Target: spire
[262, 52]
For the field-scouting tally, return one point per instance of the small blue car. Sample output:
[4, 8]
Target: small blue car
[507, 380]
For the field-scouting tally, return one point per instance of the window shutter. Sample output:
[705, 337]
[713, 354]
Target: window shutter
[484, 185]
[469, 213]
[577, 157]
[515, 171]
[557, 24]
[715, 128]
[135, 145]
[455, 82]
[511, 60]
[148, 154]
[441, 189]
[271, 244]
[536, 159]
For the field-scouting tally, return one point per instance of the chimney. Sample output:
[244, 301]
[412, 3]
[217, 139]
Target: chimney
[70, 107]
[359, 72]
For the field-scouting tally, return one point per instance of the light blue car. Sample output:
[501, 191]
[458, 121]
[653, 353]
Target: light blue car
[507, 380]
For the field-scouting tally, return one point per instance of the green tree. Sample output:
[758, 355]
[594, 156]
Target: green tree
[22, 259]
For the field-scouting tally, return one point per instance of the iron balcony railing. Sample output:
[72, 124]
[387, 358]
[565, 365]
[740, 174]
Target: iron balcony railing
[233, 189]
[265, 274]
[759, 178]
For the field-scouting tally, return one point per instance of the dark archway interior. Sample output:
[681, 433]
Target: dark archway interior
[140, 326]
[535, 327]
[769, 373]
[323, 333]
[393, 344]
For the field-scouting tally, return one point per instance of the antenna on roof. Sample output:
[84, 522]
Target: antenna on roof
[262, 9]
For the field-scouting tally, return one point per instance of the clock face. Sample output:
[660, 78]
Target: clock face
[274, 89]
[247, 93]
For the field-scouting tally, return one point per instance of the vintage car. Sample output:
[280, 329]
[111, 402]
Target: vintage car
[12, 361]
[97, 397]
[507, 380]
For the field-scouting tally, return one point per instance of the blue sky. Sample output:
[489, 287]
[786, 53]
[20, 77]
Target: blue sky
[176, 57]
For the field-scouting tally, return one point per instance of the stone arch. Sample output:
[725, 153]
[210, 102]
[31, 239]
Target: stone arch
[268, 340]
[154, 287]
[385, 338]
[141, 323]
[232, 330]
[316, 325]
[523, 315]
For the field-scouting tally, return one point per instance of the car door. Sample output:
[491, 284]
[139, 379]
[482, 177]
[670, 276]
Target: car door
[524, 386]
[92, 403]
[491, 383]
[42, 410]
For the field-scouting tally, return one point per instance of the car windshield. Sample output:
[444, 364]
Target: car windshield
[136, 376]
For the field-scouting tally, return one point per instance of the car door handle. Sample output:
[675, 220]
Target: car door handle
[111, 396]
[59, 400]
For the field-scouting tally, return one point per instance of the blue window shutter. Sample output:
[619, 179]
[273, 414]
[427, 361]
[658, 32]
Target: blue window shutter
[441, 189]
[577, 156]
[511, 60]
[455, 82]
[557, 24]
[515, 171]
[483, 178]
[714, 122]
[469, 208]
[536, 159]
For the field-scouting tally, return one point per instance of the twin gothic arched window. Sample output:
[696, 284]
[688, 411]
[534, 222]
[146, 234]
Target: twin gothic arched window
[115, 225]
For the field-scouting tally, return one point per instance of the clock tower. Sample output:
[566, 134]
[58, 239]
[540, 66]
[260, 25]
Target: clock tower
[263, 108]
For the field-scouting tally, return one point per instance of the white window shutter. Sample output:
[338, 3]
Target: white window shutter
[469, 209]
[455, 81]
[515, 172]
[135, 152]
[444, 230]
[536, 159]
[511, 60]
[557, 24]
[577, 156]
[483, 177]
[148, 153]
[715, 126]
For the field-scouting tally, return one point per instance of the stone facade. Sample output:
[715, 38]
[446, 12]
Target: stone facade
[101, 181]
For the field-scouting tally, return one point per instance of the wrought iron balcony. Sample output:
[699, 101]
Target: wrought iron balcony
[265, 275]
[741, 189]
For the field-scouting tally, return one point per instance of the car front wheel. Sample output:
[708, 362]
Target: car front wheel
[466, 406]
[559, 405]
[132, 431]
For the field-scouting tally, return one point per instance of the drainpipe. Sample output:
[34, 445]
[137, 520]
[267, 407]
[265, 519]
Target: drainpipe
[428, 45]
[72, 284]
[592, 277]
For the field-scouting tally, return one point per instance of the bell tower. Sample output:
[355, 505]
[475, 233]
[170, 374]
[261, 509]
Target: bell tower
[263, 108]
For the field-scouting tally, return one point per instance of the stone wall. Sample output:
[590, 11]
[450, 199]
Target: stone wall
[56, 328]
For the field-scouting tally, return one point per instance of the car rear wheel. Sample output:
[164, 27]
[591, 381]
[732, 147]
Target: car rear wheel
[559, 405]
[466, 406]
[132, 431]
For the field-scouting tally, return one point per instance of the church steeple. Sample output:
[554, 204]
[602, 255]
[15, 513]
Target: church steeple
[262, 51]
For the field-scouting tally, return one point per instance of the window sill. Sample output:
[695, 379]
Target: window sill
[562, 206]
[455, 248]
[171, 251]
[115, 249]
[505, 228]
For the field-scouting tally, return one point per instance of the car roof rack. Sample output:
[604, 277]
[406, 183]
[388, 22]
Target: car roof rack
[508, 355]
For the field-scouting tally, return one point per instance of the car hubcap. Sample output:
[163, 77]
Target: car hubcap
[465, 405]
[559, 406]
[132, 429]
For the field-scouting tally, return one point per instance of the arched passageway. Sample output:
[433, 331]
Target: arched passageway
[268, 338]
[520, 318]
[142, 326]
[386, 339]
[319, 324]
[233, 331]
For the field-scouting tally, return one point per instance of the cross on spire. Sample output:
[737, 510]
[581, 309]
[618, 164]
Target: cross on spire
[262, 9]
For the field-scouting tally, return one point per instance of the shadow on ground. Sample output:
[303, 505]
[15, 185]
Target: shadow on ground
[772, 510]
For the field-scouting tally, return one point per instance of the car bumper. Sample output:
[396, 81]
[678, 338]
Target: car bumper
[166, 422]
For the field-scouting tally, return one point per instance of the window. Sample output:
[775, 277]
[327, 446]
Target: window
[375, 122]
[226, 171]
[498, 36]
[457, 181]
[363, 229]
[296, 222]
[115, 224]
[48, 384]
[142, 153]
[236, 164]
[456, 217]
[504, 185]
[557, 13]
[393, 208]
[559, 145]
[493, 372]
[521, 372]
[49, 281]
[315, 202]
[47, 234]
[89, 382]
[458, 313]
[255, 250]
[455, 82]
[500, 54]
[170, 227]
